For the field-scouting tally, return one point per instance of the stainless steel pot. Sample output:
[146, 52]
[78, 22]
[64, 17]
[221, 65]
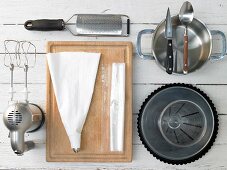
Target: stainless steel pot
[199, 44]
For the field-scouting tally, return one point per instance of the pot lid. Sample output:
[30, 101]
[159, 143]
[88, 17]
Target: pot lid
[178, 123]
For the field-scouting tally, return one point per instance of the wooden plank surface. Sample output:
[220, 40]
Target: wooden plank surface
[95, 136]
[141, 160]
[40, 136]
[140, 92]
[40, 38]
[212, 12]
[147, 75]
[144, 72]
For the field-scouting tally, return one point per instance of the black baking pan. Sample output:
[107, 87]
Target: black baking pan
[177, 123]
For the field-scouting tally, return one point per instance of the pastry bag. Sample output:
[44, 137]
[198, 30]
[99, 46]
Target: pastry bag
[73, 76]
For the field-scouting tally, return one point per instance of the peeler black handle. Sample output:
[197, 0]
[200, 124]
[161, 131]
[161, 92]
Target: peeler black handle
[169, 57]
[45, 24]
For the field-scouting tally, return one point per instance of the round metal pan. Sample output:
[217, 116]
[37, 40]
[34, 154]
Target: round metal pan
[199, 44]
[178, 123]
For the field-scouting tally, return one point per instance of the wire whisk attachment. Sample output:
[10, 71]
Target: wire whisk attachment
[20, 54]
[26, 48]
[11, 58]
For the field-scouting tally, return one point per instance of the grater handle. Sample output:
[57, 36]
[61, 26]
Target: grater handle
[45, 25]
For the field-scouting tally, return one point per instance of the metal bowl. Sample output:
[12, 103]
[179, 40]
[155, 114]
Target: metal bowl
[199, 44]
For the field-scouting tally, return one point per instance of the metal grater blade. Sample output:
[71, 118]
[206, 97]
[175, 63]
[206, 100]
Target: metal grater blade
[99, 24]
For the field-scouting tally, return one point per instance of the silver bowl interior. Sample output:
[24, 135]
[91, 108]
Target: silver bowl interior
[199, 44]
[180, 126]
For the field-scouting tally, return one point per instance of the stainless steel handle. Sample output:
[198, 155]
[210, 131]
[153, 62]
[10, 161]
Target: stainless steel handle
[138, 44]
[221, 55]
[17, 143]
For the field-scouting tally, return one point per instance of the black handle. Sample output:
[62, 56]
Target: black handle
[128, 26]
[169, 57]
[45, 25]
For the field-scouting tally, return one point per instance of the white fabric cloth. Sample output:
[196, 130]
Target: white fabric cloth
[73, 76]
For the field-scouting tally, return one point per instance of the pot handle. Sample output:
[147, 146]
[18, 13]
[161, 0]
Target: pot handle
[221, 55]
[138, 44]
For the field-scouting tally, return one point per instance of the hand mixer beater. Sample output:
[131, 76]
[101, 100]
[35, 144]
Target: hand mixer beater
[21, 116]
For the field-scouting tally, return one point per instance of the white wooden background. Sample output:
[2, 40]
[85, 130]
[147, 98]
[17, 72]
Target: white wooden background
[147, 76]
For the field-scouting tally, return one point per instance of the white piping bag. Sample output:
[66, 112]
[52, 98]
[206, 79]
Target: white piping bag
[73, 76]
[117, 107]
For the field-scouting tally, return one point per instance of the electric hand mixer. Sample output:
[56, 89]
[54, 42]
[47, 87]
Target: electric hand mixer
[21, 116]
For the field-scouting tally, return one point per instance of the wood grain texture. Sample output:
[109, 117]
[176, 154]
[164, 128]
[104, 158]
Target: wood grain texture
[40, 136]
[18, 32]
[35, 159]
[139, 11]
[147, 76]
[95, 137]
[144, 72]
[140, 92]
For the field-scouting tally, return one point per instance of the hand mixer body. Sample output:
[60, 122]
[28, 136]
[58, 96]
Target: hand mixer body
[21, 117]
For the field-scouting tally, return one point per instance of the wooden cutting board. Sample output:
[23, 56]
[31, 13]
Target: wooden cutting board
[95, 145]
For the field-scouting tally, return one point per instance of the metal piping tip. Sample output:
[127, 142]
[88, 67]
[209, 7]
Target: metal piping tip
[76, 150]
